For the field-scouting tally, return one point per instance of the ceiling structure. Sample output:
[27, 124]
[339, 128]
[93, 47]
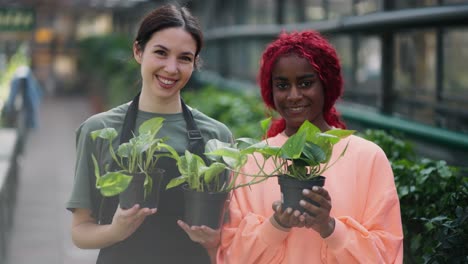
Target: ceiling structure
[80, 4]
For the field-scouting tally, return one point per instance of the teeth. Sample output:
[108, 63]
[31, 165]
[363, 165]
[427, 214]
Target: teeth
[165, 81]
[296, 108]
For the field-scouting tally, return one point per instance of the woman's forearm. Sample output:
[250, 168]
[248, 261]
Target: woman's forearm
[90, 235]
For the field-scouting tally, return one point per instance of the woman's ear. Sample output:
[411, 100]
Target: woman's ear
[137, 52]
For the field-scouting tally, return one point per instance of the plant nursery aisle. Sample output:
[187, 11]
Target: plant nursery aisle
[41, 225]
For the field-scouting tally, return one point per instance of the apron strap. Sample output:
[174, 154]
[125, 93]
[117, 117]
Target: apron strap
[196, 144]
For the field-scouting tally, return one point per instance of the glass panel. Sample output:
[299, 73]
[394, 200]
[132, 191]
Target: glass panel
[361, 68]
[455, 87]
[314, 10]
[239, 53]
[245, 63]
[449, 2]
[369, 66]
[210, 56]
[255, 53]
[415, 75]
[402, 4]
[291, 12]
[362, 7]
[339, 8]
[261, 12]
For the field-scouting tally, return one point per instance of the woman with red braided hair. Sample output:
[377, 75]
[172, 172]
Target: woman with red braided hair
[358, 217]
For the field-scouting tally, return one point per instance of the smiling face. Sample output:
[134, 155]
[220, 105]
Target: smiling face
[297, 93]
[167, 62]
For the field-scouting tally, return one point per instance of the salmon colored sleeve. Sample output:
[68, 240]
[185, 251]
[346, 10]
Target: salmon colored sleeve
[247, 237]
[378, 238]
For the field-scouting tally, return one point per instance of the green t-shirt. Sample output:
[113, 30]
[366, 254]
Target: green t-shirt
[174, 127]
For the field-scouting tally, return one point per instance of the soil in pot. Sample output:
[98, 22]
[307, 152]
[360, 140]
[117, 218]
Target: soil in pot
[291, 190]
[135, 192]
[204, 208]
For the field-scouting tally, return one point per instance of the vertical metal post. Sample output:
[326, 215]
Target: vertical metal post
[354, 53]
[279, 12]
[439, 74]
[240, 10]
[326, 8]
[440, 32]
[300, 11]
[388, 62]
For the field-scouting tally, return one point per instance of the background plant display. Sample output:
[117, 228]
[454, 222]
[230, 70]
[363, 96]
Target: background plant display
[18, 59]
[433, 201]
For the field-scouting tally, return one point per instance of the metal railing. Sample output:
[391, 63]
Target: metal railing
[12, 136]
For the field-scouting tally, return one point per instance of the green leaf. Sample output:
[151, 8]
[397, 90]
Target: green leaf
[125, 150]
[183, 165]
[196, 163]
[265, 124]
[177, 181]
[151, 126]
[214, 144]
[96, 168]
[292, 148]
[243, 143]
[212, 148]
[231, 156]
[256, 147]
[143, 145]
[113, 183]
[172, 151]
[322, 138]
[309, 129]
[148, 185]
[213, 170]
[108, 133]
[226, 152]
[341, 133]
[269, 151]
[314, 153]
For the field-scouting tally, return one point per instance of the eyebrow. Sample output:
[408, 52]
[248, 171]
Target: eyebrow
[305, 76]
[166, 49]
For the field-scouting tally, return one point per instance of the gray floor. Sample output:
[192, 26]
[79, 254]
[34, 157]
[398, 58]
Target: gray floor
[40, 233]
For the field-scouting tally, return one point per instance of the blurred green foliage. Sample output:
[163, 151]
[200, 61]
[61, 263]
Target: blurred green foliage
[107, 69]
[19, 58]
[433, 200]
[241, 112]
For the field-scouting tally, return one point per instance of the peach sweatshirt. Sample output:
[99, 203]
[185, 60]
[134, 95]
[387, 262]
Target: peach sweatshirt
[365, 206]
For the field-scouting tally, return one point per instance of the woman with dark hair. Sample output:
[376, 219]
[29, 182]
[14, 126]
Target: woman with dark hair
[357, 219]
[167, 48]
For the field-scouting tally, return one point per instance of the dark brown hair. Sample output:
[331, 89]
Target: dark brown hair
[169, 16]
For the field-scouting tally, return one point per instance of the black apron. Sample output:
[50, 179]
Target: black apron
[159, 239]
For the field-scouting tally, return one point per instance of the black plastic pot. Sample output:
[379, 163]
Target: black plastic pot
[291, 190]
[134, 194]
[204, 208]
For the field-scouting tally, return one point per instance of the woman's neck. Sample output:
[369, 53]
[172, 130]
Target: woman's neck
[154, 104]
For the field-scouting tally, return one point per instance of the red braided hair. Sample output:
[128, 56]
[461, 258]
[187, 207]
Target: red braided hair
[321, 55]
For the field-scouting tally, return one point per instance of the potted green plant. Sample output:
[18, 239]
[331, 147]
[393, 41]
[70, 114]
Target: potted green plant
[136, 179]
[207, 186]
[302, 159]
